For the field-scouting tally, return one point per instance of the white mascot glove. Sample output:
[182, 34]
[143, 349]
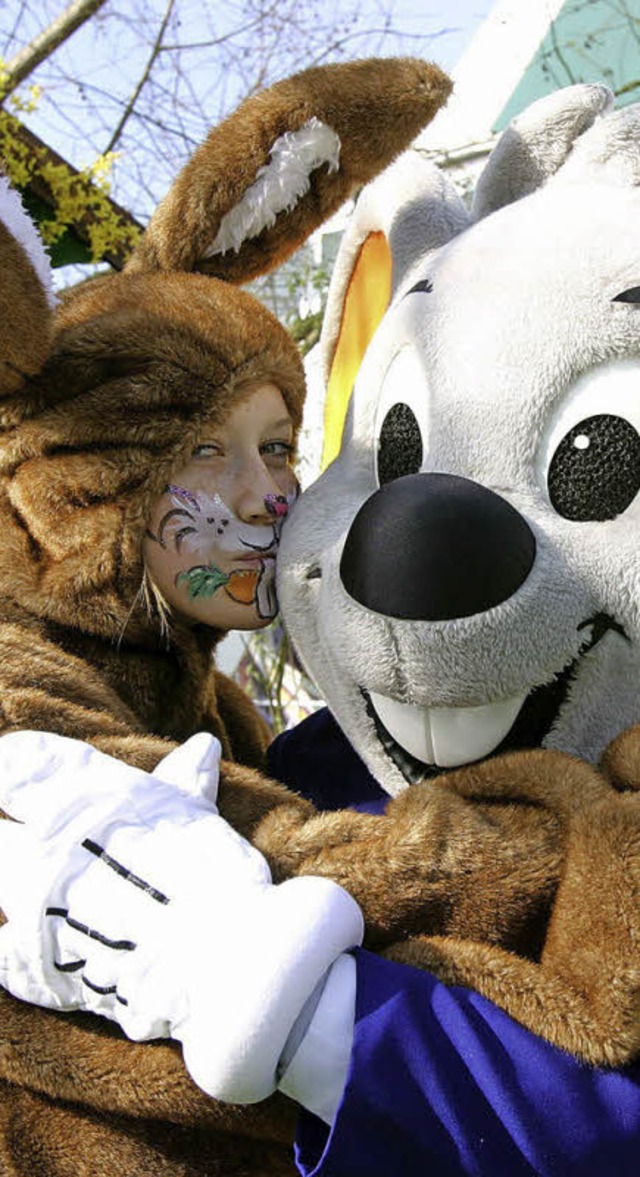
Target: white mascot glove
[128, 895]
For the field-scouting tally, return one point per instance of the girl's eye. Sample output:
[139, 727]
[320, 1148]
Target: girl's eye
[208, 449]
[277, 449]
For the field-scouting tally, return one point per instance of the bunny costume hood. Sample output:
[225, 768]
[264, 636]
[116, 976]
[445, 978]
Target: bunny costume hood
[139, 364]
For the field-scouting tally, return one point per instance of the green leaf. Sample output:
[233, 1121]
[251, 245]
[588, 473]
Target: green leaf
[203, 580]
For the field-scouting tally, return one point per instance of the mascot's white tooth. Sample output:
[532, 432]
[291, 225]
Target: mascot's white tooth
[409, 725]
[462, 734]
[447, 736]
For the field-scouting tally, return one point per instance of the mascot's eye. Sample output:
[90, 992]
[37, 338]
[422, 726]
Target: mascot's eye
[594, 473]
[401, 419]
[399, 445]
[630, 295]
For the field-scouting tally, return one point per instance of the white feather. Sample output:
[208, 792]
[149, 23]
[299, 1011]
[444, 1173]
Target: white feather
[22, 228]
[279, 185]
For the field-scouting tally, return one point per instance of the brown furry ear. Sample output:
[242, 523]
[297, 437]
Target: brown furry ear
[284, 162]
[25, 296]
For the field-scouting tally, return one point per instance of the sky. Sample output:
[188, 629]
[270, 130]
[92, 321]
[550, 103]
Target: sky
[453, 23]
[109, 53]
[89, 80]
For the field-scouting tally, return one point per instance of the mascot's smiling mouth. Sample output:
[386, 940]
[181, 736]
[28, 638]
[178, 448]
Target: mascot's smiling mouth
[424, 742]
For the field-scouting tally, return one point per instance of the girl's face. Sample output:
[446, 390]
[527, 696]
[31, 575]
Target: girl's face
[211, 541]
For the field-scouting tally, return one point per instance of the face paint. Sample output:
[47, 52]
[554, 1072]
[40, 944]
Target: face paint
[206, 522]
[182, 493]
[203, 580]
[197, 524]
[246, 586]
[277, 505]
[213, 534]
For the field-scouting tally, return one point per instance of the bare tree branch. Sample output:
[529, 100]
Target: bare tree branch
[19, 67]
[157, 45]
[152, 76]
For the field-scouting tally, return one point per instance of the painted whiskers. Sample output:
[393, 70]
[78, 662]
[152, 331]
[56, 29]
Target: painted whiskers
[202, 524]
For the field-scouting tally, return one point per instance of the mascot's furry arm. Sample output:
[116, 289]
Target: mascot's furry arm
[519, 878]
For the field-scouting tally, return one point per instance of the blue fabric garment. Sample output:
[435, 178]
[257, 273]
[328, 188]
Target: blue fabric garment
[441, 1081]
[317, 761]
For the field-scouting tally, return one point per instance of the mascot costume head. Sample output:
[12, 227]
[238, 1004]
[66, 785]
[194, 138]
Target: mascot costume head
[463, 579]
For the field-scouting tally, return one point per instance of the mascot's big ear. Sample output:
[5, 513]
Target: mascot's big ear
[279, 166]
[608, 153]
[26, 298]
[537, 143]
[408, 211]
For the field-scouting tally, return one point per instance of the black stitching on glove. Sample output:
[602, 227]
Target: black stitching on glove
[71, 966]
[119, 945]
[124, 871]
[105, 990]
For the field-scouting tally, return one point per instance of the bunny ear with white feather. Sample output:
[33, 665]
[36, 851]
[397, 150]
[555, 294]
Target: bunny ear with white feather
[279, 166]
[26, 295]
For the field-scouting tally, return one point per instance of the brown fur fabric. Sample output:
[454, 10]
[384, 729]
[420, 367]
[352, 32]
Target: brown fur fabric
[25, 317]
[377, 108]
[97, 408]
[519, 878]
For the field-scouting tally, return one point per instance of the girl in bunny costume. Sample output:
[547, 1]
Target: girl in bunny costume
[106, 404]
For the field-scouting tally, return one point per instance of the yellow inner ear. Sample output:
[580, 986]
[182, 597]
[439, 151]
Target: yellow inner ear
[367, 298]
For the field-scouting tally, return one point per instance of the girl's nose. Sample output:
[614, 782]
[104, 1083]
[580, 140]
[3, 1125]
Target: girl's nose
[277, 505]
[260, 499]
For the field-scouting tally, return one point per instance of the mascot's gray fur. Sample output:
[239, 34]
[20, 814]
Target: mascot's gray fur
[465, 576]
[464, 579]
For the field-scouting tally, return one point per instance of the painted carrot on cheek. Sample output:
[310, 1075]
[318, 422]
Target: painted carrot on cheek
[243, 584]
[205, 579]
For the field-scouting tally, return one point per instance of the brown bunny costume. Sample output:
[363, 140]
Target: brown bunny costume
[98, 407]
[138, 361]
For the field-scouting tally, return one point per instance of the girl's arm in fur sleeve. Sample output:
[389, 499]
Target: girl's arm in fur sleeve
[52, 691]
[45, 688]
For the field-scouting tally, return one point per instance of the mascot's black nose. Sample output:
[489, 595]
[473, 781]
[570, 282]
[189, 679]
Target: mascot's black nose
[433, 547]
